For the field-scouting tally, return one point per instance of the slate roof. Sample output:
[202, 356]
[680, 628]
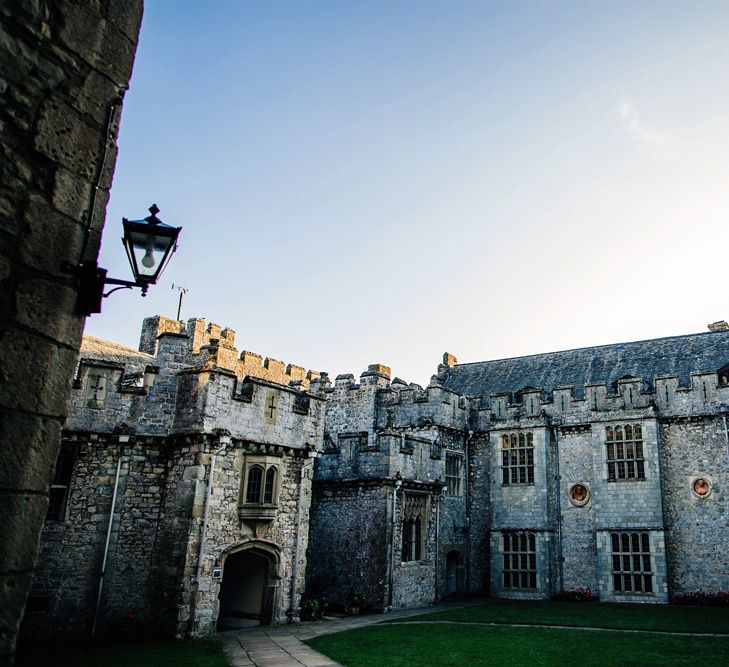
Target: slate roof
[104, 350]
[647, 359]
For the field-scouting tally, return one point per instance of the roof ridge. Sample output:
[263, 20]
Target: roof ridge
[593, 347]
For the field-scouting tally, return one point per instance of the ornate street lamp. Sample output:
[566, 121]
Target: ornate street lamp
[149, 244]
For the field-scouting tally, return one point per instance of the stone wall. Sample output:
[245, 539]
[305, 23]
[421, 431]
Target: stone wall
[478, 514]
[63, 599]
[697, 526]
[523, 507]
[151, 583]
[351, 536]
[453, 525]
[578, 536]
[65, 66]
[414, 581]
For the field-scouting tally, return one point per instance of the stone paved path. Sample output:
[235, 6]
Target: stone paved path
[282, 646]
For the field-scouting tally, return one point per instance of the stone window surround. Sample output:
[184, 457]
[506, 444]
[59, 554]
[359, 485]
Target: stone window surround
[519, 559]
[575, 501]
[633, 463]
[265, 463]
[96, 387]
[517, 458]
[454, 480]
[624, 561]
[414, 527]
[695, 478]
[62, 479]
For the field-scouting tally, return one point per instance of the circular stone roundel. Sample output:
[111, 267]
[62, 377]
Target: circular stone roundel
[701, 487]
[579, 494]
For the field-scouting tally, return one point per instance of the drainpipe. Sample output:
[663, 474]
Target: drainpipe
[297, 542]
[391, 582]
[438, 500]
[467, 491]
[122, 440]
[560, 565]
[726, 435]
[224, 442]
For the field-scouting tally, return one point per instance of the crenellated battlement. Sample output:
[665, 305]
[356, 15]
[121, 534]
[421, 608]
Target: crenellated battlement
[115, 384]
[210, 345]
[708, 391]
[409, 406]
[376, 375]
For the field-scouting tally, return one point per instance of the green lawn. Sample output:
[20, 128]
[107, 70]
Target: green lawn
[458, 645]
[400, 642]
[674, 618]
[197, 653]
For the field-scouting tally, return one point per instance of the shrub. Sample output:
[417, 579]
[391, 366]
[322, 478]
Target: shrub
[356, 603]
[313, 607]
[703, 599]
[576, 595]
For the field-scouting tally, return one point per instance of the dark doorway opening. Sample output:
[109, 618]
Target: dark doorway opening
[243, 592]
[454, 573]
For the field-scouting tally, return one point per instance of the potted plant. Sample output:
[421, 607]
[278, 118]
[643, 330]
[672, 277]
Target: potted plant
[313, 607]
[356, 604]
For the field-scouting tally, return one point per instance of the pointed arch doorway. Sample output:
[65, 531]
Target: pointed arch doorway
[247, 594]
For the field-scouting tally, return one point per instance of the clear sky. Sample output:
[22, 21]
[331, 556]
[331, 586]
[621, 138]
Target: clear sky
[370, 181]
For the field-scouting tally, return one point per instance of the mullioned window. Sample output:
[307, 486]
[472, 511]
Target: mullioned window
[414, 526]
[519, 559]
[517, 458]
[632, 569]
[624, 446]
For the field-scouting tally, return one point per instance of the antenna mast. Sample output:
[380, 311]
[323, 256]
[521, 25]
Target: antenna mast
[182, 290]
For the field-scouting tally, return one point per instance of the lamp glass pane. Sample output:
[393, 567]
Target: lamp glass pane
[149, 251]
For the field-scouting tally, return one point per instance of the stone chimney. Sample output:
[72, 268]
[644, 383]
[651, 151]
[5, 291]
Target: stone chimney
[449, 360]
[721, 325]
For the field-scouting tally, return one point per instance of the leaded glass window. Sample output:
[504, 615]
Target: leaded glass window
[517, 458]
[624, 446]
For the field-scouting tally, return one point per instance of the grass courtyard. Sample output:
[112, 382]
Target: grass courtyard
[627, 635]
[487, 634]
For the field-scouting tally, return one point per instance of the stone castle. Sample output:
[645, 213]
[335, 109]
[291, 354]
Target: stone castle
[199, 487]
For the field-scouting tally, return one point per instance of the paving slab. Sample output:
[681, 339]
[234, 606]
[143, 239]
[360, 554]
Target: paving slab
[282, 646]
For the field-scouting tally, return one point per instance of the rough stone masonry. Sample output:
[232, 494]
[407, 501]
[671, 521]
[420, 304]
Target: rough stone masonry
[64, 67]
[226, 489]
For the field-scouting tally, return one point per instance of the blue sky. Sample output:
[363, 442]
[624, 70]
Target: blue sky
[365, 182]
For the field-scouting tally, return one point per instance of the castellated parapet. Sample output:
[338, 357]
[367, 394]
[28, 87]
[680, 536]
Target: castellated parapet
[706, 393]
[190, 378]
[213, 345]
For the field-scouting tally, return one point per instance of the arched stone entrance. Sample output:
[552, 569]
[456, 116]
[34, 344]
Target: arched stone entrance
[453, 573]
[247, 594]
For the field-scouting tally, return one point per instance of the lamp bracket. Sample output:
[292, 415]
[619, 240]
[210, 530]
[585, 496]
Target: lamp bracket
[91, 282]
